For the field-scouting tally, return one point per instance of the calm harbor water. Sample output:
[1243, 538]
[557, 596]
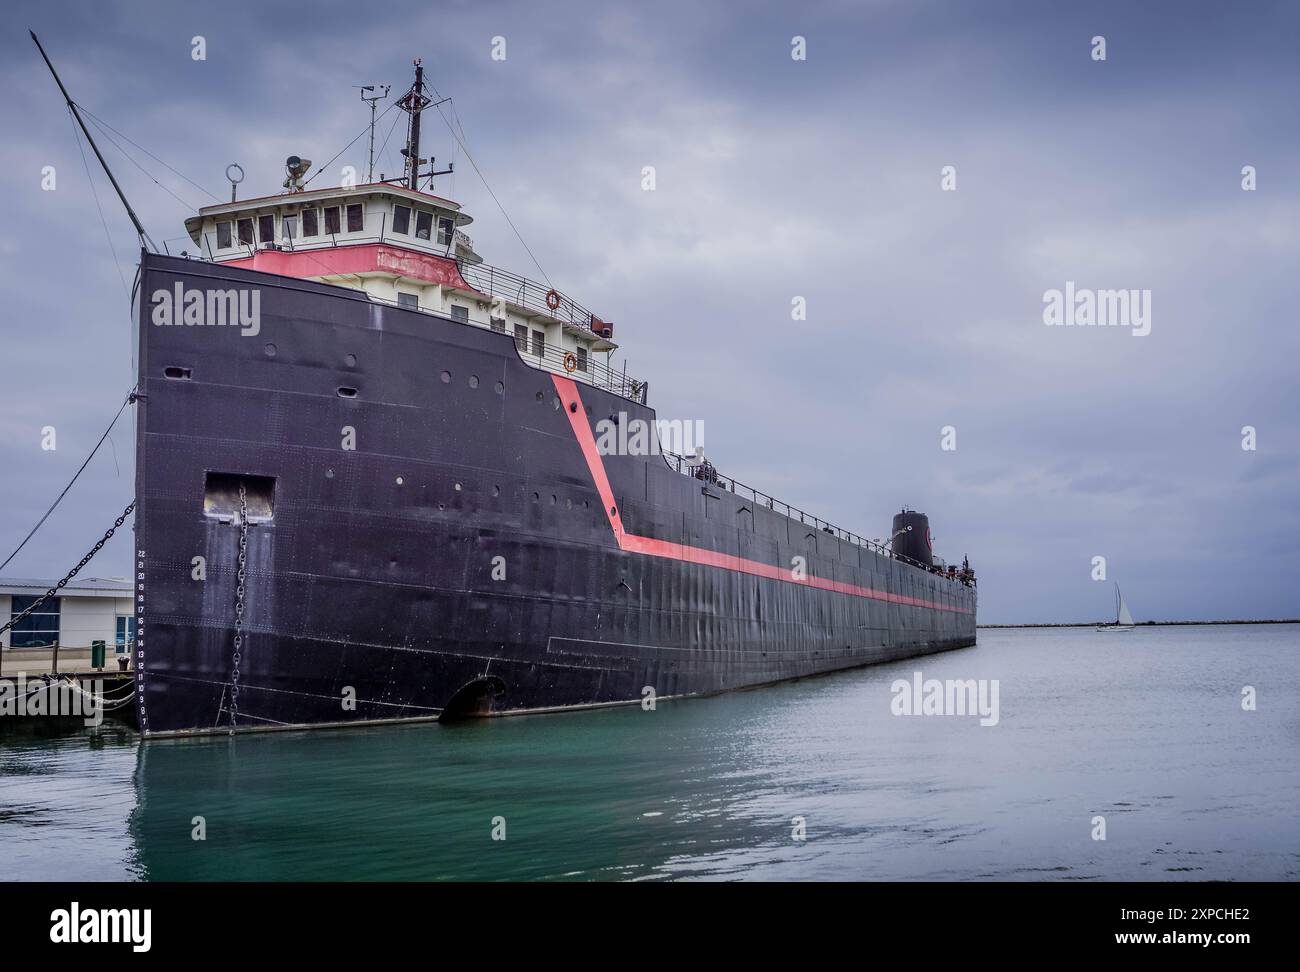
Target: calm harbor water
[1144, 728]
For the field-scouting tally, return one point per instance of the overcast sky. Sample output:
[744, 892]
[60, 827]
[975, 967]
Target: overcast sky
[775, 178]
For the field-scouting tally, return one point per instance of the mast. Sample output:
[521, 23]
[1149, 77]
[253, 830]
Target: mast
[1123, 617]
[413, 157]
[372, 100]
[72, 106]
[413, 103]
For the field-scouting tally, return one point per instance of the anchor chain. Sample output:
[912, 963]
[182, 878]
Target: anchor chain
[239, 606]
[72, 573]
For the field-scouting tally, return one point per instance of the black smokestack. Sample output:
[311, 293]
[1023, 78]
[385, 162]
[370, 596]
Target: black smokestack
[911, 535]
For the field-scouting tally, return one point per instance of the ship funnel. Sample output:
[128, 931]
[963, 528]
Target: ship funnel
[911, 535]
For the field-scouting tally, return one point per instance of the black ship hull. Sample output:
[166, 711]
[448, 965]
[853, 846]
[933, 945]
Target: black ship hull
[434, 532]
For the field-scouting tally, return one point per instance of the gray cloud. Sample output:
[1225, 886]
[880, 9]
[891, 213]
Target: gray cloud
[775, 179]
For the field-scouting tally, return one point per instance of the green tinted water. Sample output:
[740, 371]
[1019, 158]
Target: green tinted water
[1145, 729]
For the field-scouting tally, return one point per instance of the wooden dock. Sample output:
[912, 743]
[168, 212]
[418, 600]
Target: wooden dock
[27, 697]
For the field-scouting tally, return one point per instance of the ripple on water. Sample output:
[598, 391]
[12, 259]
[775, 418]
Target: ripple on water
[1151, 737]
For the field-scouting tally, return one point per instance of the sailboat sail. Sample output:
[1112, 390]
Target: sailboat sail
[1124, 616]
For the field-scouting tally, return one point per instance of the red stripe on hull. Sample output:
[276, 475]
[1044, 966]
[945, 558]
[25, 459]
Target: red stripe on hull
[568, 391]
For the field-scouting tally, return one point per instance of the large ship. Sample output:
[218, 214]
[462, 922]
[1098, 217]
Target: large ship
[379, 479]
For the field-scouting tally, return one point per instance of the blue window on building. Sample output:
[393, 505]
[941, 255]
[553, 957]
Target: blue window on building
[125, 633]
[40, 629]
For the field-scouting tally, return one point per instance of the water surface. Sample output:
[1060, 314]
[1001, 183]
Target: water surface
[1145, 729]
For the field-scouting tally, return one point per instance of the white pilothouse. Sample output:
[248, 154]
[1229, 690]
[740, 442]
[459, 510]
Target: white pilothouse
[401, 244]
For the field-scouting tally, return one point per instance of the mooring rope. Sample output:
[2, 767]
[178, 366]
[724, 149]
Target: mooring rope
[129, 398]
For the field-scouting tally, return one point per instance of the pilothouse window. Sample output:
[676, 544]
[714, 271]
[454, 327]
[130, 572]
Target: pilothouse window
[246, 232]
[445, 229]
[423, 224]
[310, 222]
[290, 224]
[266, 229]
[355, 220]
[331, 219]
[402, 220]
[223, 235]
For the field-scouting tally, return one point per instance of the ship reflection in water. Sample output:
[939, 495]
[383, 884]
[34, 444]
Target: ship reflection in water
[1146, 730]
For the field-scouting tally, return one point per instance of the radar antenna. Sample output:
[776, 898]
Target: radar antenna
[372, 99]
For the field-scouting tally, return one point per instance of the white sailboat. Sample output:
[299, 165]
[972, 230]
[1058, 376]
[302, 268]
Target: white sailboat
[1123, 619]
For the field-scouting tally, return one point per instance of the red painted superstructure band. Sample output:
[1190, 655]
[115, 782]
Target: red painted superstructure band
[337, 261]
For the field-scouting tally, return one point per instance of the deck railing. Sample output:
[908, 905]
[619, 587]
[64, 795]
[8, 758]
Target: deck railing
[496, 282]
[592, 371]
[706, 473]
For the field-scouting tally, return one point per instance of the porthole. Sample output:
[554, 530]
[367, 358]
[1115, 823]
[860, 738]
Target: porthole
[350, 360]
[445, 377]
[269, 350]
[541, 397]
[473, 381]
[499, 388]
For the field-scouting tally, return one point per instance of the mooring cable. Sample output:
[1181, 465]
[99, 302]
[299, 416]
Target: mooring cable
[59, 499]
